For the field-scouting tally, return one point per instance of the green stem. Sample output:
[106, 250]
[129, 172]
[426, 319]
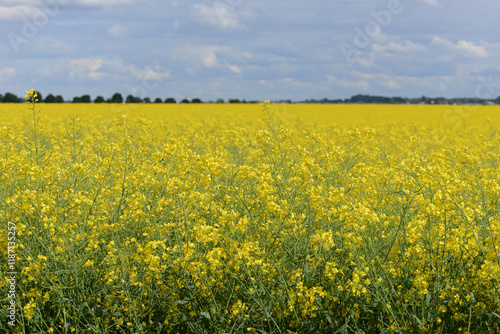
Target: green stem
[36, 135]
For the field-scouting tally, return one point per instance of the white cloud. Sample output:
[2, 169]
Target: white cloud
[41, 4]
[206, 55]
[51, 45]
[431, 2]
[210, 59]
[149, 73]
[60, 45]
[367, 62]
[365, 76]
[116, 66]
[100, 3]
[86, 68]
[218, 15]
[117, 30]
[441, 41]
[7, 73]
[468, 49]
[291, 81]
[20, 2]
[472, 50]
[404, 47]
[98, 68]
[392, 84]
[235, 69]
[16, 12]
[13, 10]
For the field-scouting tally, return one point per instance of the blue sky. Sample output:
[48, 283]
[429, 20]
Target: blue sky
[251, 49]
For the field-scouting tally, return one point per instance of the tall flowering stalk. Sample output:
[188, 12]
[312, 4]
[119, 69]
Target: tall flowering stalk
[31, 100]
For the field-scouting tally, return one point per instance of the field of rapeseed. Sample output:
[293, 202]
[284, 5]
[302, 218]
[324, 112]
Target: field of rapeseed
[251, 219]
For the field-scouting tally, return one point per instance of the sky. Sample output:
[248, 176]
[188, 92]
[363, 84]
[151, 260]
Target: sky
[251, 49]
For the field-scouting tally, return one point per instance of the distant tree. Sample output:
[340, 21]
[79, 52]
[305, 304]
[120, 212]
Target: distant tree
[196, 100]
[158, 100]
[50, 99]
[77, 99]
[497, 101]
[146, 100]
[234, 101]
[360, 98]
[220, 101]
[59, 99]
[133, 99]
[10, 98]
[86, 99]
[1, 98]
[440, 100]
[185, 101]
[99, 99]
[129, 99]
[170, 100]
[117, 98]
[397, 100]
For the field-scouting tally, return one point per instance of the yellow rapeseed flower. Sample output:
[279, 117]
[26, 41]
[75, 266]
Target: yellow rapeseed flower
[266, 225]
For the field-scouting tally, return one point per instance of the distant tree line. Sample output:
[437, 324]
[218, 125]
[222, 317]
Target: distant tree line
[118, 98]
[404, 100]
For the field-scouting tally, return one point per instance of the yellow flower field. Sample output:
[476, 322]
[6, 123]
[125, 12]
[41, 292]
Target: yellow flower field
[251, 219]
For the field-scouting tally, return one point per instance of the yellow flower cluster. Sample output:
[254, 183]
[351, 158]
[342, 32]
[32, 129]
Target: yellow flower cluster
[31, 95]
[216, 218]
